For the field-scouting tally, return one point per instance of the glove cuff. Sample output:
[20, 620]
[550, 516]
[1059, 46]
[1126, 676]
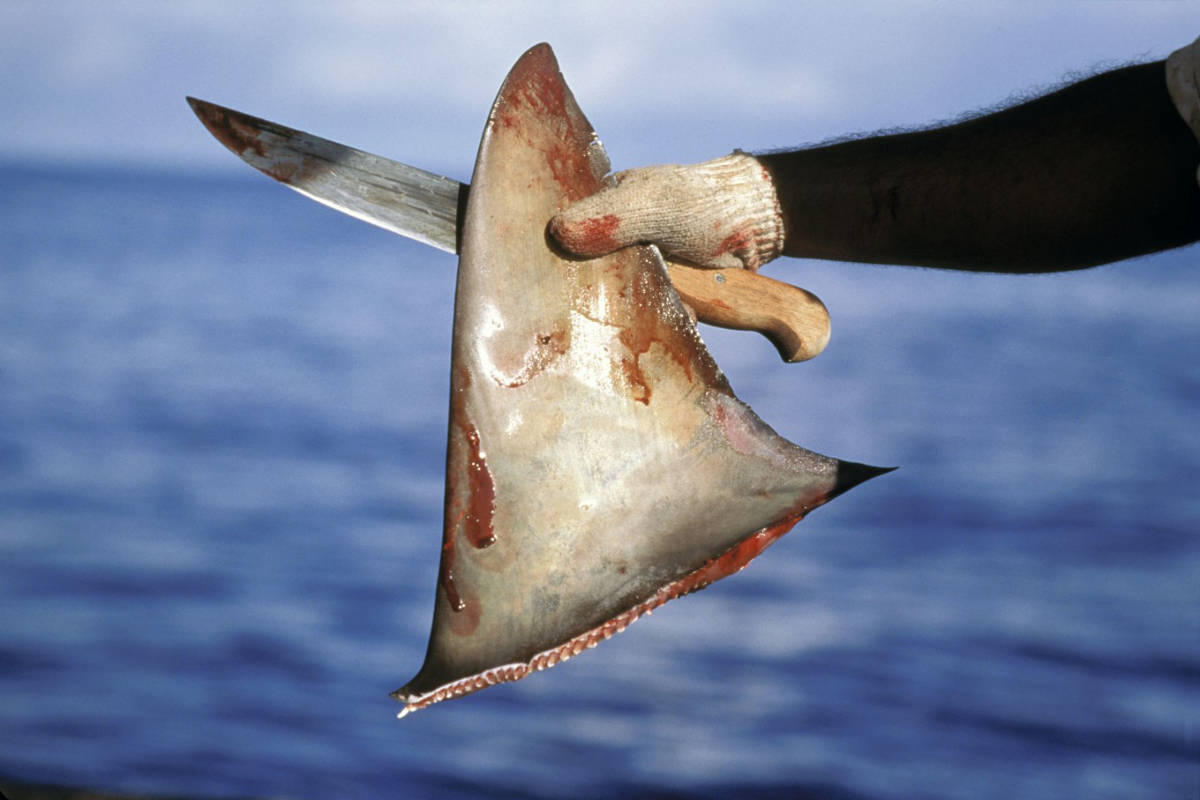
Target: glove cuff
[745, 193]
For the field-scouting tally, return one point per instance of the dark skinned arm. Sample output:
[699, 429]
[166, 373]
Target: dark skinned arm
[1099, 171]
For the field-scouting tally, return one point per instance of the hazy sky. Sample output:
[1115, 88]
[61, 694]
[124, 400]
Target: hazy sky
[660, 81]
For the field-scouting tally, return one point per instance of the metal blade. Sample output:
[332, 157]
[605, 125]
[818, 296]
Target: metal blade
[406, 200]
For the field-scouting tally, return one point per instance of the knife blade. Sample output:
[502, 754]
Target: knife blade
[427, 207]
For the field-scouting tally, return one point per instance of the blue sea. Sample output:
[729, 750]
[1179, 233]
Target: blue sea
[222, 421]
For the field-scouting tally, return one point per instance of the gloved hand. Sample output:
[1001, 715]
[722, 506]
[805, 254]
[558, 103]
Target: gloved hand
[719, 213]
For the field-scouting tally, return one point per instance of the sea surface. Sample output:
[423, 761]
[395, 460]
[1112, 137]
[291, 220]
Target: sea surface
[222, 431]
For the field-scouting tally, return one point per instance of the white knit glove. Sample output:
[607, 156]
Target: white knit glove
[719, 213]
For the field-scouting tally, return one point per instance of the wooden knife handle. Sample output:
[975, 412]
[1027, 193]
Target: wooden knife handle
[794, 320]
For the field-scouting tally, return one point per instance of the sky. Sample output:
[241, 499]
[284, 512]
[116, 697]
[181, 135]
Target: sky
[86, 81]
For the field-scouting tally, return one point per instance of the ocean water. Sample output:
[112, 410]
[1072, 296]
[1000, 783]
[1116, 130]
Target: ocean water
[222, 420]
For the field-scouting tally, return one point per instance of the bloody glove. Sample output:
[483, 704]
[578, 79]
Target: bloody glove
[719, 213]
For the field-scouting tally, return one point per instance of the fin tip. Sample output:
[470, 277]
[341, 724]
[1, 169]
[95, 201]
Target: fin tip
[852, 473]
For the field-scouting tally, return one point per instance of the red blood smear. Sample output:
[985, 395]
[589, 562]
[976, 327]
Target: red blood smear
[446, 576]
[477, 522]
[591, 236]
[738, 240]
[476, 518]
[537, 92]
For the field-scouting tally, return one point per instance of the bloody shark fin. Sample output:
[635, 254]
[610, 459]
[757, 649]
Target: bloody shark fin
[598, 462]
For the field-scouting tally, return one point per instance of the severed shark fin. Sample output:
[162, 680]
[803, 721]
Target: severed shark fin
[598, 462]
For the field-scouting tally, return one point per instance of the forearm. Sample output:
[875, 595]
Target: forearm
[1101, 170]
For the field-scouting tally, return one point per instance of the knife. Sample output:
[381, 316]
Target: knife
[424, 206]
